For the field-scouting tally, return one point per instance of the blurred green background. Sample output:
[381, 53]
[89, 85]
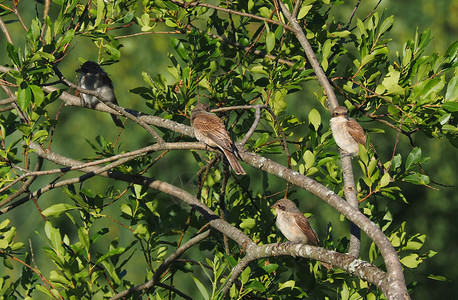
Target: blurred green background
[431, 211]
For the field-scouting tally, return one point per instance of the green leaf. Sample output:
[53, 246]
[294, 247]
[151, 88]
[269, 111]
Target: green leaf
[256, 285]
[145, 19]
[172, 6]
[390, 82]
[261, 140]
[397, 161]
[259, 69]
[40, 135]
[444, 119]
[450, 106]
[288, 284]
[386, 25]
[341, 34]
[326, 49]
[385, 180]
[201, 288]
[35, 29]
[452, 90]
[56, 277]
[69, 34]
[415, 242]
[179, 48]
[7, 263]
[5, 223]
[417, 178]
[315, 119]
[304, 11]
[309, 159]
[100, 7]
[413, 158]
[115, 54]
[55, 237]
[24, 95]
[245, 276]
[411, 261]
[38, 94]
[265, 12]
[114, 252]
[12, 53]
[437, 277]
[84, 238]
[430, 90]
[367, 59]
[3, 244]
[270, 41]
[269, 268]
[45, 291]
[57, 209]
[248, 223]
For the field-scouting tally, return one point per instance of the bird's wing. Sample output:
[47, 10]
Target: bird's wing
[212, 127]
[304, 224]
[356, 131]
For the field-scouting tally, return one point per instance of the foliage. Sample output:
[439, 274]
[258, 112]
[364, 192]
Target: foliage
[235, 54]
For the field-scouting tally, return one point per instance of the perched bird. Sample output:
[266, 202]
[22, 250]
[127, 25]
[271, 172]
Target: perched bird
[94, 78]
[209, 129]
[294, 225]
[346, 131]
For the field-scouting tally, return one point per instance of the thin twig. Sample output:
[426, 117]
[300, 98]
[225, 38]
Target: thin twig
[6, 32]
[230, 11]
[253, 126]
[352, 14]
[155, 280]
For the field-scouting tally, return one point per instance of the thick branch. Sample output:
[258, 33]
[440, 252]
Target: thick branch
[232, 232]
[214, 220]
[352, 199]
[393, 265]
[351, 265]
[349, 183]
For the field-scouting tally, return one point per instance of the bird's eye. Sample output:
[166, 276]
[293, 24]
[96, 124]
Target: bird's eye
[281, 207]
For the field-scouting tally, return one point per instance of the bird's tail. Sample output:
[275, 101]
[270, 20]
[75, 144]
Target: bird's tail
[234, 162]
[117, 121]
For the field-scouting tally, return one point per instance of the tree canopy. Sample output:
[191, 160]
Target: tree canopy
[147, 211]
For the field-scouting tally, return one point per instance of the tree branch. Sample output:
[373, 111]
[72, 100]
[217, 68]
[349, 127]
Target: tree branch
[349, 264]
[395, 276]
[349, 183]
[165, 264]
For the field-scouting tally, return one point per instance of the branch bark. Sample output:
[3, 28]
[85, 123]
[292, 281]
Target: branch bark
[349, 182]
[354, 266]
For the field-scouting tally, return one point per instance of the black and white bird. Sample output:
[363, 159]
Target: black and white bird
[94, 78]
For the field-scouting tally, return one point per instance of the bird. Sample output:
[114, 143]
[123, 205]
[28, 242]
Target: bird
[347, 133]
[209, 129]
[94, 78]
[295, 226]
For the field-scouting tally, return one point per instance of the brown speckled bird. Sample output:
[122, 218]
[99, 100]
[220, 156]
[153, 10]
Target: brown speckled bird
[209, 129]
